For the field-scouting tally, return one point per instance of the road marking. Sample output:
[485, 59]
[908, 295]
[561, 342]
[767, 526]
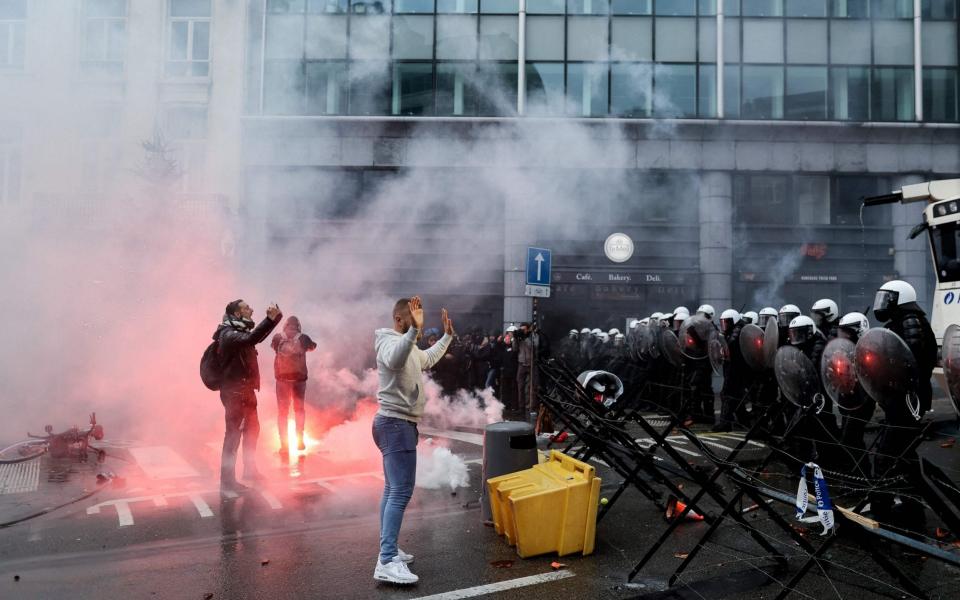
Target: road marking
[271, 500]
[500, 586]
[650, 443]
[462, 436]
[124, 514]
[739, 438]
[162, 462]
[21, 477]
[202, 507]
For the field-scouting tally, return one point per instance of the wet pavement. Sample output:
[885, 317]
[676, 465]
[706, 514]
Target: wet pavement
[311, 531]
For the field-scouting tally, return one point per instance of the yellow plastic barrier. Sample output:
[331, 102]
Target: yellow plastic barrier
[551, 507]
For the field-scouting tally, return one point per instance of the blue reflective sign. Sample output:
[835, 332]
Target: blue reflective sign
[538, 266]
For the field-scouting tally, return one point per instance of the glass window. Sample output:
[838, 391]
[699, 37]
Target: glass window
[456, 6]
[762, 8]
[13, 26]
[413, 6]
[675, 90]
[762, 93]
[498, 85]
[105, 37]
[731, 91]
[631, 7]
[850, 94]
[894, 42]
[545, 7]
[682, 8]
[412, 36]
[498, 38]
[326, 88]
[630, 90]
[456, 89]
[284, 37]
[370, 7]
[457, 37]
[412, 89]
[851, 9]
[939, 41]
[806, 96]
[845, 207]
[891, 9]
[731, 40]
[370, 88]
[587, 38]
[806, 8]
[806, 41]
[545, 39]
[939, 95]
[891, 95]
[188, 38]
[938, 9]
[317, 7]
[676, 40]
[499, 6]
[850, 42]
[707, 42]
[762, 41]
[631, 38]
[763, 200]
[326, 36]
[283, 87]
[370, 38]
[730, 7]
[813, 199]
[545, 95]
[587, 86]
[707, 95]
[587, 7]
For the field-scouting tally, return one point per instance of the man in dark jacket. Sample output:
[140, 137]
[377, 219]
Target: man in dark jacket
[290, 371]
[736, 373]
[237, 337]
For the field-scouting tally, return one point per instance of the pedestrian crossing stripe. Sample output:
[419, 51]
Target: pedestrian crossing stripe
[20, 478]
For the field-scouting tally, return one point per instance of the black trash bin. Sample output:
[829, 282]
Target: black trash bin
[508, 447]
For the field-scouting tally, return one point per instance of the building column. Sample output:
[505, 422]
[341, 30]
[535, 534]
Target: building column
[716, 240]
[911, 258]
[519, 231]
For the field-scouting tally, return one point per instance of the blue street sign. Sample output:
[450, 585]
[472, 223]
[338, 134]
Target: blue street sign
[538, 266]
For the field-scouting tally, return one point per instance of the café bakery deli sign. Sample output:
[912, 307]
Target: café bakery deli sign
[627, 277]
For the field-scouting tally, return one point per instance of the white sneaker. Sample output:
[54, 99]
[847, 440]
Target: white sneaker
[395, 571]
[407, 558]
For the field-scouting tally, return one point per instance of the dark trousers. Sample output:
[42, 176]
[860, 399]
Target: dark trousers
[287, 392]
[508, 391]
[526, 399]
[240, 416]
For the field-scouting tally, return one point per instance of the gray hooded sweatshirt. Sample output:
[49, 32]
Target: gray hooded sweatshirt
[400, 366]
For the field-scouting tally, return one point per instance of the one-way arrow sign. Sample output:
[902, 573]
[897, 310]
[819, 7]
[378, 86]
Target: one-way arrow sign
[539, 261]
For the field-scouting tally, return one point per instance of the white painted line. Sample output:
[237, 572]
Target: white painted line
[462, 436]
[500, 586]
[124, 514]
[649, 442]
[739, 438]
[230, 494]
[271, 500]
[704, 440]
[202, 507]
[162, 462]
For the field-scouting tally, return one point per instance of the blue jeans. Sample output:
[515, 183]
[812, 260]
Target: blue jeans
[397, 440]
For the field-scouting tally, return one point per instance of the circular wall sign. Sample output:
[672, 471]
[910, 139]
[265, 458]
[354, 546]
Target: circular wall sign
[618, 247]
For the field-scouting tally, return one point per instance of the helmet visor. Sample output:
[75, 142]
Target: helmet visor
[885, 300]
[800, 335]
[783, 320]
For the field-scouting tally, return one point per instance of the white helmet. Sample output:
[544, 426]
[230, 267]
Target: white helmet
[766, 314]
[511, 329]
[728, 319]
[585, 331]
[604, 337]
[642, 322]
[891, 295]
[681, 309]
[634, 323]
[855, 322]
[574, 333]
[824, 312]
[613, 332]
[618, 339]
[750, 316]
[656, 316]
[802, 329]
[787, 313]
[706, 311]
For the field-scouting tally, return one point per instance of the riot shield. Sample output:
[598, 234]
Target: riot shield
[694, 337]
[654, 333]
[798, 378]
[751, 345]
[670, 348]
[718, 351]
[887, 371]
[838, 374]
[951, 363]
[771, 342]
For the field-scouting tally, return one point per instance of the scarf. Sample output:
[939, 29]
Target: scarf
[238, 323]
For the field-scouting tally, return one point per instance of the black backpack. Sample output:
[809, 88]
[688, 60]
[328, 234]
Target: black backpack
[211, 367]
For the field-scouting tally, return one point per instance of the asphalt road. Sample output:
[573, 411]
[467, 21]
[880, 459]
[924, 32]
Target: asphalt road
[311, 531]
